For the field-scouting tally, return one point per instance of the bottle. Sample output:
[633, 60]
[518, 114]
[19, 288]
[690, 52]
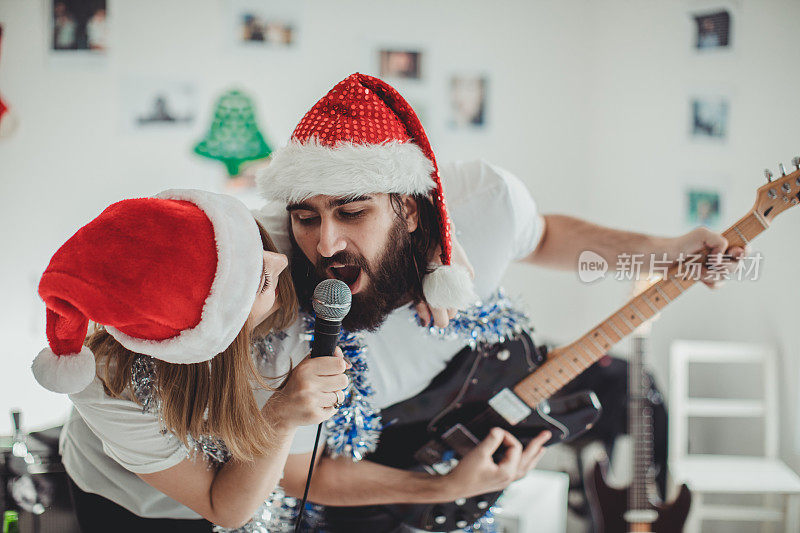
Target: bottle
[11, 522]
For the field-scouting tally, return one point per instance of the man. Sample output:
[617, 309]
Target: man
[364, 198]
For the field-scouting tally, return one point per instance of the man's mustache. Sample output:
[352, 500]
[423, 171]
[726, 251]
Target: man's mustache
[343, 258]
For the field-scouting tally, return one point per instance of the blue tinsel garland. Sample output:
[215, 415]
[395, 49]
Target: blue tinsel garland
[492, 321]
[355, 428]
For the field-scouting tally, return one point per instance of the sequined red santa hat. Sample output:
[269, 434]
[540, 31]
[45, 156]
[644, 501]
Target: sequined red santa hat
[173, 276]
[360, 138]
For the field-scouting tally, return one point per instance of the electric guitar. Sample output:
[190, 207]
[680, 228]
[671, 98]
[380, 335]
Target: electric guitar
[636, 507]
[511, 385]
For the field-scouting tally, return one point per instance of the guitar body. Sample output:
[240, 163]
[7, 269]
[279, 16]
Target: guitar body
[433, 429]
[610, 504]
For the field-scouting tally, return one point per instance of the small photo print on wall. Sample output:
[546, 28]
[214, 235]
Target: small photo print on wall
[400, 64]
[703, 207]
[712, 30]
[78, 25]
[709, 117]
[264, 25]
[258, 31]
[152, 104]
[467, 102]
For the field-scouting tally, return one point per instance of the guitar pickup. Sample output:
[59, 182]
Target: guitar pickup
[460, 439]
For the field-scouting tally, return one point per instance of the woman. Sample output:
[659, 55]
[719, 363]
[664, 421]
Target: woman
[173, 425]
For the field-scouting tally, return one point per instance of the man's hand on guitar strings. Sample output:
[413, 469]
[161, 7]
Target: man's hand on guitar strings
[478, 473]
[721, 261]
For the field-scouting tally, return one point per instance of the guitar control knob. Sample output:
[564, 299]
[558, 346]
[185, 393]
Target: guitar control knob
[461, 524]
[768, 174]
[461, 501]
[440, 519]
[503, 355]
[483, 504]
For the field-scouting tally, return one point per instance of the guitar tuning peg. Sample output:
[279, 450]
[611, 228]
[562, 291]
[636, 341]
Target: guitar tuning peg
[768, 174]
[796, 162]
[782, 169]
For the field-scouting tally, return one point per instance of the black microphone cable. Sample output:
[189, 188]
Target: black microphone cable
[308, 481]
[331, 302]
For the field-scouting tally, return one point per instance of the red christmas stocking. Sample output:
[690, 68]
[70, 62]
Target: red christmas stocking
[3, 109]
[3, 106]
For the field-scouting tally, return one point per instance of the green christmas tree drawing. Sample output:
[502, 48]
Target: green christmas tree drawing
[234, 137]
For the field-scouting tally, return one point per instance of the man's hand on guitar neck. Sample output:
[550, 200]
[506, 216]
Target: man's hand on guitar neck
[477, 473]
[722, 259]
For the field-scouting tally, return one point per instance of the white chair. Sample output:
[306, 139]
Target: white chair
[536, 503]
[764, 475]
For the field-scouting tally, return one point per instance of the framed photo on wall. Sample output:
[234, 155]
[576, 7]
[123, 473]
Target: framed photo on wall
[78, 26]
[400, 63]
[158, 104]
[712, 30]
[703, 201]
[711, 26]
[468, 101]
[709, 117]
[255, 25]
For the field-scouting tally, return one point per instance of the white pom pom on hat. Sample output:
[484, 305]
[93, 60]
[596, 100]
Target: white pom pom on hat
[67, 373]
[449, 287]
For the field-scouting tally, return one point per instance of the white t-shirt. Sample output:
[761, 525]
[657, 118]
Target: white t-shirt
[106, 441]
[497, 222]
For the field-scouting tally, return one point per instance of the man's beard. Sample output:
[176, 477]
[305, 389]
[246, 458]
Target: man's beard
[392, 281]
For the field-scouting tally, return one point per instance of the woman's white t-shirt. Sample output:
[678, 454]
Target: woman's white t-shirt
[107, 441]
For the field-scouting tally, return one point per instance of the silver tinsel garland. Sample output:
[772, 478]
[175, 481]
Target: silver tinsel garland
[492, 321]
[278, 512]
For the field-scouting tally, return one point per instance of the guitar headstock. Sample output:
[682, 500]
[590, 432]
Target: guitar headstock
[779, 194]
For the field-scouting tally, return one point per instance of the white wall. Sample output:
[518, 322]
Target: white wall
[588, 104]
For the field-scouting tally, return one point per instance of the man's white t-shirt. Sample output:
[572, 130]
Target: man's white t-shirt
[107, 441]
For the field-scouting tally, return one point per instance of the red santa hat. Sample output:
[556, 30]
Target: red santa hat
[363, 137]
[173, 276]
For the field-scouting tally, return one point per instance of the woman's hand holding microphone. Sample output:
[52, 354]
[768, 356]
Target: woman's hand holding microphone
[311, 393]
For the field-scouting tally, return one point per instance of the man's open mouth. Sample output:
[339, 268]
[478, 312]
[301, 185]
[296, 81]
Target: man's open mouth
[347, 273]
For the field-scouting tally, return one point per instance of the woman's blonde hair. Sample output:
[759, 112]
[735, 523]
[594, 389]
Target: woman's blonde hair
[209, 398]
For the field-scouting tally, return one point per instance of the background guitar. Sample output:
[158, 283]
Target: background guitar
[636, 507]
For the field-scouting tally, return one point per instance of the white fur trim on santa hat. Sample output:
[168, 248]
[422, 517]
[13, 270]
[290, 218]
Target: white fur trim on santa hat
[240, 262]
[66, 374]
[449, 287]
[301, 170]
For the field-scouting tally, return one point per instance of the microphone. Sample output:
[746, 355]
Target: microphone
[331, 302]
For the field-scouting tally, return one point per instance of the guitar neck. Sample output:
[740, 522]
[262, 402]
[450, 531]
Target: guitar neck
[565, 363]
[640, 425]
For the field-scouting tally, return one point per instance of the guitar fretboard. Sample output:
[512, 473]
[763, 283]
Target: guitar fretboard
[640, 426]
[567, 362]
